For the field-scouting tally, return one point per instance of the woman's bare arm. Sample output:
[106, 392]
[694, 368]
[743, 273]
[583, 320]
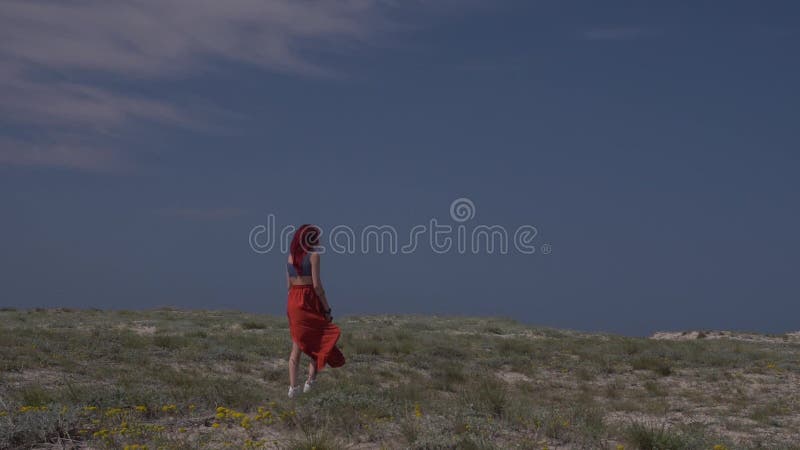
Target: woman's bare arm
[317, 281]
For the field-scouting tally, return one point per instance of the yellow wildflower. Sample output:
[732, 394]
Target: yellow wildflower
[111, 412]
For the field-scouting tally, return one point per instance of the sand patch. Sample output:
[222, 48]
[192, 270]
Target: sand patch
[509, 376]
[793, 337]
[138, 327]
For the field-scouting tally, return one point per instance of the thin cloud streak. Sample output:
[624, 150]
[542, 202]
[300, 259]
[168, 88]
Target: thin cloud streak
[158, 38]
[62, 155]
[71, 104]
[52, 54]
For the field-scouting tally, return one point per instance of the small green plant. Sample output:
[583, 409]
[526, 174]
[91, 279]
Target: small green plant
[646, 436]
[487, 394]
[315, 439]
[658, 365]
[251, 325]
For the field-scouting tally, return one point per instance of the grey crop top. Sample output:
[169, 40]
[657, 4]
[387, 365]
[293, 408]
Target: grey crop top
[305, 267]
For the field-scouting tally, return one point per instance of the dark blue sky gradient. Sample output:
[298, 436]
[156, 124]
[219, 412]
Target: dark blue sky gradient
[653, 144]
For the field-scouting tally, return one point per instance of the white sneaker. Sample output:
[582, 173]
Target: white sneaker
[307, 386]
[293, 391]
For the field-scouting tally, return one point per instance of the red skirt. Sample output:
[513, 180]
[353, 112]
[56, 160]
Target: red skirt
[315, 336]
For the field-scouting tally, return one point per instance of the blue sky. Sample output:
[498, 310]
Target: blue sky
[652, 144]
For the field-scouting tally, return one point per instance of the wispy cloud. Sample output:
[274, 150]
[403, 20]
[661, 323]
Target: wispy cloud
[64, 154]
[53, 54]
[160, 37]
[74, 104]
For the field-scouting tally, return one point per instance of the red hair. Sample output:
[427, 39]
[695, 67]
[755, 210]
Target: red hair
[305, 239]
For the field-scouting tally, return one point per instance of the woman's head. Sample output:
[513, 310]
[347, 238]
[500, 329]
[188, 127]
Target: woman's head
[305, 239]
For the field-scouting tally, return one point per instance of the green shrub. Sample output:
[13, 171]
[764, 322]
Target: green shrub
[658, 365]
[250, 325]
[486, 394]
[654, 437]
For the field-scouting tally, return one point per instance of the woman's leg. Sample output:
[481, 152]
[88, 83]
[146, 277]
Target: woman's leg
[312, 371]
[294, 364]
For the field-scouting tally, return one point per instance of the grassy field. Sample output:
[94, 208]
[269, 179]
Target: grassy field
[217, 379]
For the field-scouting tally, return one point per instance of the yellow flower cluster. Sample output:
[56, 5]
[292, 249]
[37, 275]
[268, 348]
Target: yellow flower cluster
[720, 447]
[249, 443]
[417, 410]
[154, 428]
[286, 414]
[388, 418]
[135, 447]
[103, 433]
[169, 408]
[24, 409]
[224, 413]
[111, 412]
[141, 408]
[124, 429]
[263, 415]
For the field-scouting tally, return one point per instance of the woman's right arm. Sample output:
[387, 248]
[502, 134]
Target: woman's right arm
[317, 281]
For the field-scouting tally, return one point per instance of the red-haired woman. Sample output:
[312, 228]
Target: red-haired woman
[310, 320]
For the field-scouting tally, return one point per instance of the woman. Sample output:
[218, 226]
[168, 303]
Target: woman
[310, 321]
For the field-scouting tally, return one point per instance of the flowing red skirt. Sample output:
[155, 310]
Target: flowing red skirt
[315, 336]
